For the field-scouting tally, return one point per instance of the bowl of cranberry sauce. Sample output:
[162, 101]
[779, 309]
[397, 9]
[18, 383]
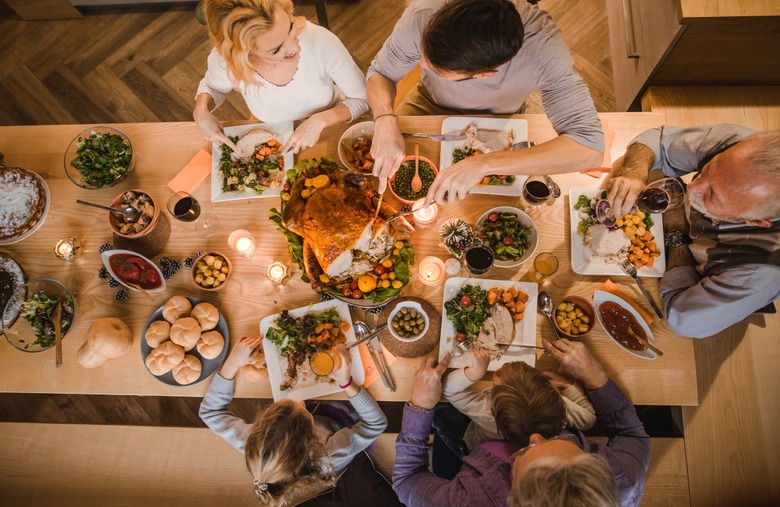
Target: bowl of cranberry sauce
[133, 270]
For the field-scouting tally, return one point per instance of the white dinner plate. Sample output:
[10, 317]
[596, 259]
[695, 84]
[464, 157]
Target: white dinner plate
[525, 330]
[457, 124]
[209, 366]
[524, 219]
[581, 260]
[600, 297]
[308, 388]
[282, 130]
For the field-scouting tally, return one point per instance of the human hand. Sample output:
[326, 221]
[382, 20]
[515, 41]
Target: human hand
[387, 149]
[211, 128]
[578, 362]
[239, 356]
[480, 358]
[558, 380]
[344, 371]
[426, 387]
[456, 181]
[622, 193]
[306, 135]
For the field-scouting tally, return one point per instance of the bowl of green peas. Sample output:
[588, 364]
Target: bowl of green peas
[401, 182]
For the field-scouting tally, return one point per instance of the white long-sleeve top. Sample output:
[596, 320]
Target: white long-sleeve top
[326, 76]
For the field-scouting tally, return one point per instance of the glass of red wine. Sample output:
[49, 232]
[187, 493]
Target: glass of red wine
[661, 195]
[479, 259]
[184, 207]
[539, 190]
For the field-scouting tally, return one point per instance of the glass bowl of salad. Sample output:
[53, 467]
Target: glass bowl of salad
[28, 316]
[99, 157]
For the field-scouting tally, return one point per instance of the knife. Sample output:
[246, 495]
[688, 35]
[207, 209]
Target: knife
[370, 335]
[375, 348]
[436, 137]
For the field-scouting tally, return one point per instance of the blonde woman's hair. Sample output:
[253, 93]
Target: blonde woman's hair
[582, 481]
[233, 27]
[284, 455]
[524, 402]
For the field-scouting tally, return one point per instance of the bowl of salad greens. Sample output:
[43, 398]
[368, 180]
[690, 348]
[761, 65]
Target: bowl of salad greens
[99, 157]
[511, 233]
[28, 316]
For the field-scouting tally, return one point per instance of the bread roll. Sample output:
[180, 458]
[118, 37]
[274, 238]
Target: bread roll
[107, 338]
[188, 370]
[176, 308]
[158, 332]
[255, 370]
[185, 332]
[207, 316]
[162, 359]
[210, 344]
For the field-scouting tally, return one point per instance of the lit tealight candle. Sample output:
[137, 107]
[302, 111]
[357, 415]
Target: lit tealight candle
[431, 271]
[277, 272]
[242, 242]
[67, 249]
[424, 216]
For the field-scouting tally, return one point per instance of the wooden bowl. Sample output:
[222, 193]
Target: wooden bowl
[210, 258]
[584, 306]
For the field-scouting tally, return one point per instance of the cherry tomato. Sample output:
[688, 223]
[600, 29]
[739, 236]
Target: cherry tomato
[286, 187]
[493, 217]
[502, 176]
[507, 240]
[379, 269]
[353, 284]
[346, 291]
[460, 337]
[465, 301]
[357, 294]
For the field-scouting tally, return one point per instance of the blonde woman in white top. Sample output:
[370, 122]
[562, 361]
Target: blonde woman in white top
[285, 68]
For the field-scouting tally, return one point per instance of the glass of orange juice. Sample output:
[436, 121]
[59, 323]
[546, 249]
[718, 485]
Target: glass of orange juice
[324, 362]
[545, 264]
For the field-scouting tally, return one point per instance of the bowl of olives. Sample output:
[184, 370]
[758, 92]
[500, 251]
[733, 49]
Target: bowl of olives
[408, 321]
[574, 316]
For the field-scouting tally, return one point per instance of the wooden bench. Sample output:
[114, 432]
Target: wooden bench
[99, 465]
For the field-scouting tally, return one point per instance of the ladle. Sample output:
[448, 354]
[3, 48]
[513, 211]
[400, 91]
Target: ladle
[129, 213]
[544, 306]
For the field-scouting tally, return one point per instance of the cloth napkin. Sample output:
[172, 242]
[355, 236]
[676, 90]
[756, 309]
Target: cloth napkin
[370, 371]
[192, 174]
[612, 288]
[606, 164]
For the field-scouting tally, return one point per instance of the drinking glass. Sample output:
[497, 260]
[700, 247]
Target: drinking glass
[479, 259]
[661, 195]
[324, 362]
[545, 264]
[185, 208]
[539, 190]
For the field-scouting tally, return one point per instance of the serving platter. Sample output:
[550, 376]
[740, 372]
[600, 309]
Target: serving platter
[525, 329]
[210, 366]
[283, 130]
[457, 124]
[581, 259]
[600, 297]
[307, 386]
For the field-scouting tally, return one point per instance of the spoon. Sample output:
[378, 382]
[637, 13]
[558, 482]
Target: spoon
[545, 307]
[644, 342]
[416, 181]
[129, 213]
[140, 289]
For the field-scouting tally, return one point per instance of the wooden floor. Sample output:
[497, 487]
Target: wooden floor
[144, 65]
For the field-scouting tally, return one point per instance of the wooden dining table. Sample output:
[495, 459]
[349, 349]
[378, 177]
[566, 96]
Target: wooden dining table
[161, 150]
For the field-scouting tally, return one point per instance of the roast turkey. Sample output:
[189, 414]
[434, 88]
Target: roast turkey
[498, 330]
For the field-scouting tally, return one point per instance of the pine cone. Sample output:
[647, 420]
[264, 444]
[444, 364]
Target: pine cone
[122, 295]
[105, 247]
[103, 273]
[113, 282]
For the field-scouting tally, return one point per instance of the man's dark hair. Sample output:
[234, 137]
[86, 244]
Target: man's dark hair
[473, 36]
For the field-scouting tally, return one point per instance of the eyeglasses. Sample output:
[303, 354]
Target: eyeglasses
[567, 437]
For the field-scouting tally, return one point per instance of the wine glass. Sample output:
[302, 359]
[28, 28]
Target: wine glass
[539, 190]
[184, 207]
[661, 195]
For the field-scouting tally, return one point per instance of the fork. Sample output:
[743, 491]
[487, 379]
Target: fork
[629, 269]
[406, 210]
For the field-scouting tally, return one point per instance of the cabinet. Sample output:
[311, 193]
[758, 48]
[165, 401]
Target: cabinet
[692, 42]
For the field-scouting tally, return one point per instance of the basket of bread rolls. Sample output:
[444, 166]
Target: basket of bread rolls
[185, 341]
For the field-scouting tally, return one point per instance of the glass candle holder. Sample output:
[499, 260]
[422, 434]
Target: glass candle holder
[431, 271]
[424, 217]
[67, 249]
[277, 272]
[242, 242]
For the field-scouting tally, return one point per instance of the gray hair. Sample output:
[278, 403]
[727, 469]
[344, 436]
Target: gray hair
[765, 160]
[582, 481]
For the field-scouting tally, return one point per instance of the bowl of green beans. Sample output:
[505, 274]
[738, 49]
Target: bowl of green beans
[401, 182]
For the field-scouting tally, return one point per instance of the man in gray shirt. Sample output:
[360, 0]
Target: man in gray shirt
[482, 57]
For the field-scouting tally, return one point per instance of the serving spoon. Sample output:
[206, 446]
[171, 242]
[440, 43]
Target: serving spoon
[130, 214]
[416, 180]
[644, 342]
[544, 306]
